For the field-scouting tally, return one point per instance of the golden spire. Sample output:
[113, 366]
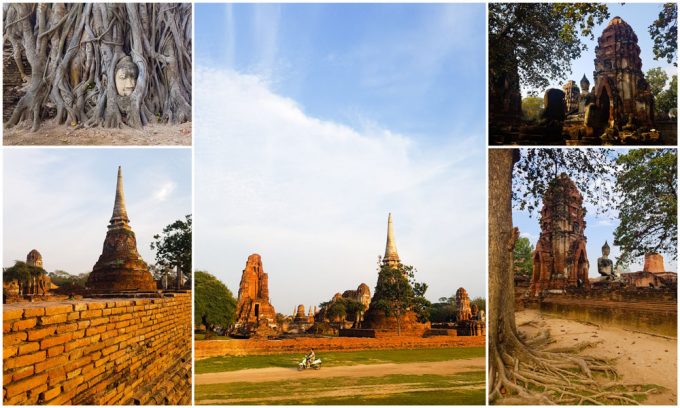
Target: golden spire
[119, 218]
[391, 257]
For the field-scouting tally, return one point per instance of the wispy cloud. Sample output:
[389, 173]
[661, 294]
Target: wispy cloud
[312, 196]
[164, 190]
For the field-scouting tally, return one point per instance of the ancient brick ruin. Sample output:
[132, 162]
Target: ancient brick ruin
[621, 92]
[98, 352]
[560, 258]
[36, 286]
[463, 311]
[127, 343]
[120, 268]
[653, 263]
[34, 258]
[254, 312]
[619, 109]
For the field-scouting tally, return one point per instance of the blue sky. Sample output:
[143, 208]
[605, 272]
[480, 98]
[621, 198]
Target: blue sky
[360, 64]
[599, 228]
[639, 16]
[313, 122]
[59, 201]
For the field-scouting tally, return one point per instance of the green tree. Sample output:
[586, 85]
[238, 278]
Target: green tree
[668, 98]
[214, 304]
[647, 185]
[532, 107]
[538, 41]
[519, 372]
[664, 33]
[173, 246]
[21, 272]
[66, 281]
[522, 257]
[442, 312]
[393, 293]
[656, 78]
[480, 302]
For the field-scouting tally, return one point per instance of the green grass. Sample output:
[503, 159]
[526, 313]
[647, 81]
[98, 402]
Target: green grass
[337, 358]
[459, 389]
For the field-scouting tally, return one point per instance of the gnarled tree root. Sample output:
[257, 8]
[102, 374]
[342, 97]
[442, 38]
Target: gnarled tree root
[520, 375]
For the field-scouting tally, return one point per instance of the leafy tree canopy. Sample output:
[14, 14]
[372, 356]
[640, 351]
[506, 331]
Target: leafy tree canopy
[214, 304]
[532, 107]
[22, 272]
[668, 98]
[522, 255]
[173, 246]
[647, 186]
[480, 302]
[657, 78]
[664, 33]
[540, 40]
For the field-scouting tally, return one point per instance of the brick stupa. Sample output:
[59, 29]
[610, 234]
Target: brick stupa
[120, 268]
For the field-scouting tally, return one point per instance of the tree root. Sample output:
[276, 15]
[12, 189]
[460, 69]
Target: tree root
[525, 375]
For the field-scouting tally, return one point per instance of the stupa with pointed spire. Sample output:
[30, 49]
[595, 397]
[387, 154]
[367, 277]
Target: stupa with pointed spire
[376, 317]
[391, 257]
[120, 268]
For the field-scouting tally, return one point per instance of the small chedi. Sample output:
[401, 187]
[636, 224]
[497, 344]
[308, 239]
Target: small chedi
[463, 310]
[560, 259]
[653, 274]
[255, 316]
[343, 311]
[26, 281]
[120, 268]
[377, 319]
[469, 321]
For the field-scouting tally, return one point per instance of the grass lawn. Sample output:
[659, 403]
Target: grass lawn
[459, 389]
[337, 358]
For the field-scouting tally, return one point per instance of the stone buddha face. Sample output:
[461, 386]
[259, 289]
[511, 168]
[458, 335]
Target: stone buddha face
[605, 251]
[126, 76]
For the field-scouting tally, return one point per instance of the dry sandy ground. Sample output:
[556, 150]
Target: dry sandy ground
[640, 358]
[367, 370]
[50, 134]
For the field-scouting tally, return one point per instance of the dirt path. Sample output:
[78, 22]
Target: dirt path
[367, 370]
[50, 134]
[640, 358]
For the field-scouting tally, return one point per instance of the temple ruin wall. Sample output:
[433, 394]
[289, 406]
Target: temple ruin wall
[98, 351]
[215, 348]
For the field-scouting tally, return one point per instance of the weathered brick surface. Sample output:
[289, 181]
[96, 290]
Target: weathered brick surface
[96, 352]
[214, 348]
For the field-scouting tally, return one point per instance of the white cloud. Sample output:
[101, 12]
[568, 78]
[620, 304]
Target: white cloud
[312, 197]
[164, 191]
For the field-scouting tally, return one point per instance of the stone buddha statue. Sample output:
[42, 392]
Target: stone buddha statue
[605, 266]
[126, 76]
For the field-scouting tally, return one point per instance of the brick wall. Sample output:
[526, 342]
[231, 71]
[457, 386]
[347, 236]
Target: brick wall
[98, 351]
[214, 348]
